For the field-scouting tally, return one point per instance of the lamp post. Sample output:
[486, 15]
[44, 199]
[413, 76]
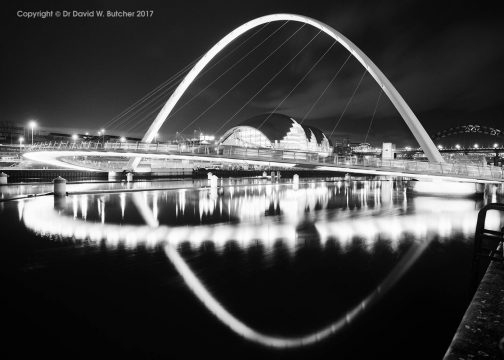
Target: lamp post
[32, 125]
[103, 134]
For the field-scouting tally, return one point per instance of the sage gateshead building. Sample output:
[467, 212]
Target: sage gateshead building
[277, 132]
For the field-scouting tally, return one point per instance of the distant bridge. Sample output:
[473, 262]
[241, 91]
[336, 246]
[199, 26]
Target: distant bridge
[55, 154]
[468, 129]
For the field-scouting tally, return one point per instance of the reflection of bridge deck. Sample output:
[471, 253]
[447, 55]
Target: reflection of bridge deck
[53, 153]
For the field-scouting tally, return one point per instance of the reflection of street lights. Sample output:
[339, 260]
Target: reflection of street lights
[32, 124]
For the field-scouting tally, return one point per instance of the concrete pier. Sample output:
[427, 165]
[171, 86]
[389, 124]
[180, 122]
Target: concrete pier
[59, 186]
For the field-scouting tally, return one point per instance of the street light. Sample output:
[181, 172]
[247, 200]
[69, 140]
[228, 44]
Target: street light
[103, 133]
[32, 125]
[496, 146]
[476, 146]
[75, 137]
[457, 147]
[122, 139]
[440, 147]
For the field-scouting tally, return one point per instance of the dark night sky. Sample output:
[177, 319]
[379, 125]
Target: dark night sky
[444, 58]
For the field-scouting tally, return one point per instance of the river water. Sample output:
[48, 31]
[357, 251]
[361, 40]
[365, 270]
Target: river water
[348, 270]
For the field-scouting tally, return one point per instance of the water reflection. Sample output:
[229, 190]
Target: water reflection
[244, 214]
[262, 212]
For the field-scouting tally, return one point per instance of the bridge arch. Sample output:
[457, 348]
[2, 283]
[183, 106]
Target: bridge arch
[407, 114]
[469, 129]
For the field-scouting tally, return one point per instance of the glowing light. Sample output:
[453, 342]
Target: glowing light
[457, 147]
[32, 124]
[476, 146]
[122, 139]
[445, 188]
[495, 145]
[75, 137]
[440, 147]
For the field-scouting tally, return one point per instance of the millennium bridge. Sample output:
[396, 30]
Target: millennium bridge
[75, 155]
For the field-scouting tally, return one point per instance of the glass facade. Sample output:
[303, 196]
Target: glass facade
[294, 138]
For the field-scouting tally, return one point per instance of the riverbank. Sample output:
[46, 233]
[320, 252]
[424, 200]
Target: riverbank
[482, 328]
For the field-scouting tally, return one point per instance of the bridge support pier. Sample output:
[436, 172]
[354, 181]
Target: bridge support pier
[59, 186]
[112, 175]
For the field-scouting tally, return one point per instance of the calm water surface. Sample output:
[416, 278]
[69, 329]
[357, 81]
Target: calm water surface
[329, 270]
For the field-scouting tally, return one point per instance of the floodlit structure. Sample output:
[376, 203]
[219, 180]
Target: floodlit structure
[404, 110]
[278, 132]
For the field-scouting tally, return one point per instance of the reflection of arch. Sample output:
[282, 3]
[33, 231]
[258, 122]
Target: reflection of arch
[407, 114]
[39, 217]
[469, 129]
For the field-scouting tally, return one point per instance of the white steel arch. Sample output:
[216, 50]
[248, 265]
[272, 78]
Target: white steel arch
[407, 114]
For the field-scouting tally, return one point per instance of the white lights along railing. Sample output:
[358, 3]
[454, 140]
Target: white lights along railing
[476, 171]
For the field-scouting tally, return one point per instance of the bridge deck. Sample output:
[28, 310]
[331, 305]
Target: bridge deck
[287, 158]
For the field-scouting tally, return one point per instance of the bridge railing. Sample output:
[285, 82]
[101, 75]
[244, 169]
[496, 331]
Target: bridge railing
[302, 157]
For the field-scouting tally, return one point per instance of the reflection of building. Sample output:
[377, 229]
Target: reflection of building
[277, 131]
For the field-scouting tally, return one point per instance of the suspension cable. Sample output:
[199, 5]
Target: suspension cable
[149, 94]
[224, 73]
[178, 75]
[299, 82]
[273, 78]
[348, 103]
[374, 112]
[325, 89]
[138, 123]
[242, 79]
